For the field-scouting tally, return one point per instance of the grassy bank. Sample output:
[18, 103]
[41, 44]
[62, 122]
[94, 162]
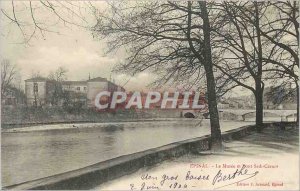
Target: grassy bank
[28, 116]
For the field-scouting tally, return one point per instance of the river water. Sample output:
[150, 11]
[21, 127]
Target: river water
[40, 152]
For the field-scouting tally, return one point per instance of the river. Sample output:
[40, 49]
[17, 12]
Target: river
[41, 151]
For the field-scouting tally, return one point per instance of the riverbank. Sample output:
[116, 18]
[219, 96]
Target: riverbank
[18, 117]
[14, 117]
[118, 125]
[89, 176]
[8, 128]
[273, 154]
[89, 152]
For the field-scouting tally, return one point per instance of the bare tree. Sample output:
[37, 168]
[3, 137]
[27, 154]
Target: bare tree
[171, 39]
[205, 57]
[263, 47]
[282, 31]
[31, 18]
[57, 77]
[8, 74]
[282, 93]
[240, 49]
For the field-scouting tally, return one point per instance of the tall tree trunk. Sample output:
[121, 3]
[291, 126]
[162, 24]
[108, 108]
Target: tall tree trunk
[297, 89]
[216, 138]
[259, 106]
[258, 79]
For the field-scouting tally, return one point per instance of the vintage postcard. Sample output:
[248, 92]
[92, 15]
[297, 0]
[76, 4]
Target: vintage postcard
[149, 95]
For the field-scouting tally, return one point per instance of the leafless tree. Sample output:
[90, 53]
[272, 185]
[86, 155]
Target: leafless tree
[59, 75]
[259, 42]
[56, 78]
[282, 93]
[31, 18]
[282, 31]
[171, 39]
[8, 74]
[240, 49]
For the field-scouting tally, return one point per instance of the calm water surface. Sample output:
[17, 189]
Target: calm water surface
[35, 154]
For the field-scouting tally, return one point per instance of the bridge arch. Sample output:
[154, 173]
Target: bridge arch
[189, 115]
[264, 113]
[241, 115]
[292, 115]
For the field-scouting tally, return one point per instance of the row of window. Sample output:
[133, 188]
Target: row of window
[78, 88]
[36, 87]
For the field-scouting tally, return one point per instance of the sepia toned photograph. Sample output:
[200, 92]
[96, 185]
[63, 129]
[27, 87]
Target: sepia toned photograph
[149, 95]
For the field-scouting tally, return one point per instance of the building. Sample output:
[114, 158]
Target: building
[36, 90]
[12, 97]
[279, 97]
[75, 86]
[40, 91]
[223, 105]
[242, 102]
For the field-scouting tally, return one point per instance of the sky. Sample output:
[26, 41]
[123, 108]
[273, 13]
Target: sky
[74, 48]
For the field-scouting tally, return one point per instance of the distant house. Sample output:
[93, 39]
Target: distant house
[13, 96]
[95, 85]
[75, 86]
[242, 102]
[36, 90]
[39, 90]
[280, 98]
[273, 98]
[223, 105]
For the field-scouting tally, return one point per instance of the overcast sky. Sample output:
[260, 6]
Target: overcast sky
[74, 49]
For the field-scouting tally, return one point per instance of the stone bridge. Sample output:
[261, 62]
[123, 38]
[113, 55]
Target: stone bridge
[241, 113]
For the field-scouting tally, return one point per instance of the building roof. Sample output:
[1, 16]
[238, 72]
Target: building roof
[73, 82]
[37, 79]
[98, 79]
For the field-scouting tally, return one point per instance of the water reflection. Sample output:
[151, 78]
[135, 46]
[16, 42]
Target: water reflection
[112, 128]
[36, 154]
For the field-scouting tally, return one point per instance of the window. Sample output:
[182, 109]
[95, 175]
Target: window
[35, 87]
[78, 88]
